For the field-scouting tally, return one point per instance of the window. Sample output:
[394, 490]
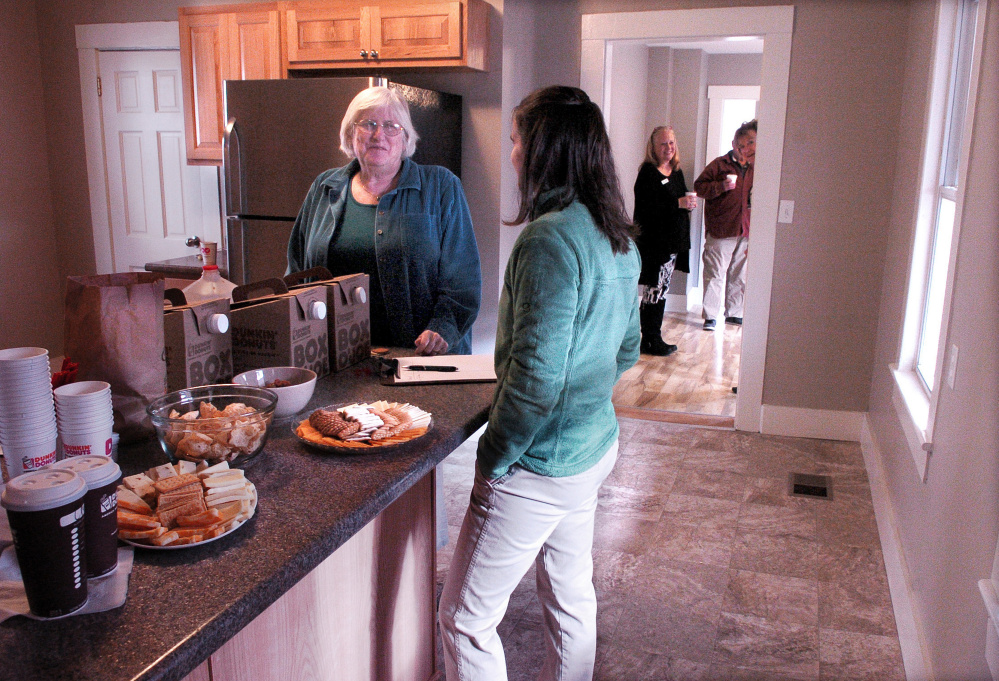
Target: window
[921, 370]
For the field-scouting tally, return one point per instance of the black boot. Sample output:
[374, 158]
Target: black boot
[651, 315]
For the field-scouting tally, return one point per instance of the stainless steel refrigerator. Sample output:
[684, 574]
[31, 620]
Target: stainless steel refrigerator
[281, 134]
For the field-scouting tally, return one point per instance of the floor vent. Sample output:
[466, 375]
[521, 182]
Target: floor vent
[810, 486]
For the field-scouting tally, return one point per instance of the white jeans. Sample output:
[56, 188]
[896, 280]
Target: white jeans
[724, 265]
[511, 521]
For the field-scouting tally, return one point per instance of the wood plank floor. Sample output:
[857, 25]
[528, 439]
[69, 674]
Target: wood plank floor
[696, 379]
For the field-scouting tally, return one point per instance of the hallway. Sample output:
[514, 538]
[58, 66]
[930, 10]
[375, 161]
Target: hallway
[706, 569]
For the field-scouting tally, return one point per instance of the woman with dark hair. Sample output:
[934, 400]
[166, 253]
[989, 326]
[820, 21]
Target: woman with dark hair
[568, 328]
[662, 212]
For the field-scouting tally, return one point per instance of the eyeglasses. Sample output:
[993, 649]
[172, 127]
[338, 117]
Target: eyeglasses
[368, 127]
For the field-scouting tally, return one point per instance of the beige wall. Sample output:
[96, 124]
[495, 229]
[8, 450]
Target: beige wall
[948, 526]
[30, 285]
[857, 82]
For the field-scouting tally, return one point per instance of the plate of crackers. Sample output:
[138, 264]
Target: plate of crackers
[176, 506]
[362, 426]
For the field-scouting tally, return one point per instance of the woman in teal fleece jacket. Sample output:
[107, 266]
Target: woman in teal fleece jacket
[568, 328]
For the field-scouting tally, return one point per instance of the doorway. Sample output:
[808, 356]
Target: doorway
[146, 201]
[607, 36]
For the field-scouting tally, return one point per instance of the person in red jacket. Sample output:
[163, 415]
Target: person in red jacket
[726, 185]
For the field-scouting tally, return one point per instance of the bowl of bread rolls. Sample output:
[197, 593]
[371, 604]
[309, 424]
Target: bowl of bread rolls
[213, 423]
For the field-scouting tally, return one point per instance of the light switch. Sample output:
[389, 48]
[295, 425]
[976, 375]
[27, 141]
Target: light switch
[785, 213]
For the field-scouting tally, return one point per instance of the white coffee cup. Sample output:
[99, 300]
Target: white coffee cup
[86, 444]
[24, 457]
[732, 178]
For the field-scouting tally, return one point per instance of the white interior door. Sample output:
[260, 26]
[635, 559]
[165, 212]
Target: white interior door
[155, 200]
[729, 106]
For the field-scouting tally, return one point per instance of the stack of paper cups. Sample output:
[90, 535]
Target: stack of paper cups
[27, 418]
[85, 418]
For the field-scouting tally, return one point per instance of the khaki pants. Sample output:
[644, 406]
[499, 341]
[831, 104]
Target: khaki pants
[724, 268]
[511, 522]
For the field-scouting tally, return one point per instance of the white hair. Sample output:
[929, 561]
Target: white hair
[376, 98]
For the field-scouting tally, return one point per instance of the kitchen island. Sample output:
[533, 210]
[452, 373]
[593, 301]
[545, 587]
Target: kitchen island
[332, 577]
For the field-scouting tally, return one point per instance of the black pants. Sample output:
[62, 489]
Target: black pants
[651, 315]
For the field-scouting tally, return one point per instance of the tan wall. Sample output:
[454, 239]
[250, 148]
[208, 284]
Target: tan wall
[30, 286]
[948, 526]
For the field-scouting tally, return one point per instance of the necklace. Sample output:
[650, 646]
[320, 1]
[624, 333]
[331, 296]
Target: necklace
[376, 197]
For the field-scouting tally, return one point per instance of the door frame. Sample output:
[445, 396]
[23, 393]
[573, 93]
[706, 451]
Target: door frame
[776, 25]
[90, 39]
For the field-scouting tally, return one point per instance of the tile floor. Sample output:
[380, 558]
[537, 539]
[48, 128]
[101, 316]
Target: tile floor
[706, 569]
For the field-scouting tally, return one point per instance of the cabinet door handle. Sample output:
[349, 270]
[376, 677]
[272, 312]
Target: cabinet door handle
[364, 54]
[374, 54]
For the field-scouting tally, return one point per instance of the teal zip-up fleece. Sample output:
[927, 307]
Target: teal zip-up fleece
[568, 328]
[428, 262]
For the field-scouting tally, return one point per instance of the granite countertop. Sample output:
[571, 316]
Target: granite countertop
[188, 266]
[183, 605]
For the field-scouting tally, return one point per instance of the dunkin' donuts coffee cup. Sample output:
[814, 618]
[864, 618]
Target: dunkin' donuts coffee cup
[102, 476]
[45, 510]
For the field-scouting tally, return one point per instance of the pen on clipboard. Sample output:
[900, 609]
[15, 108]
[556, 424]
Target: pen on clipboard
[429, 367]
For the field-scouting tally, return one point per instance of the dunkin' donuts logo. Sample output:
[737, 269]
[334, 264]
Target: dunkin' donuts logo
[214, 369]
[314, 354]
[31, 463]
[109, 502]
[353, 343]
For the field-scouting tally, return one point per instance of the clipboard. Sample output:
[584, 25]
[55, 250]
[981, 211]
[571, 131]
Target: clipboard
[460, 369]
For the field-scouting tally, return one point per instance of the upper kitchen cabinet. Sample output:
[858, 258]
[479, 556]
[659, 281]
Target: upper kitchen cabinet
[218, 43]
[345, 35]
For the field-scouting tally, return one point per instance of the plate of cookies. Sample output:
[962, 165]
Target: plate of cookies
[362, 426]
[176, 506]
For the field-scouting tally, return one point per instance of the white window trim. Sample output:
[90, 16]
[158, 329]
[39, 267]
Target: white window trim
[915, 406]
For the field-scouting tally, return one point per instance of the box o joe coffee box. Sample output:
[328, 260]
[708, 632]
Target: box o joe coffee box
[197, 341]
[274, 327]
[349, 313]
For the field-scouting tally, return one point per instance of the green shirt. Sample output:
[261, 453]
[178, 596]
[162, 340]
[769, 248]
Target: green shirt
[352, 250]
[568, 328]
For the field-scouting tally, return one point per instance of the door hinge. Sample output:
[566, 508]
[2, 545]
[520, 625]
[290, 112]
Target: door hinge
[98, 86]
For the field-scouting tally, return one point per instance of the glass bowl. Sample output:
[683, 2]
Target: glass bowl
[213, 423]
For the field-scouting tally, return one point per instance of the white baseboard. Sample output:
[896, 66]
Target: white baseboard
[818, 423]
[914, 658]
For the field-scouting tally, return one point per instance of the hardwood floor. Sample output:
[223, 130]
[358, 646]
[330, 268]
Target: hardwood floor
[696, 379]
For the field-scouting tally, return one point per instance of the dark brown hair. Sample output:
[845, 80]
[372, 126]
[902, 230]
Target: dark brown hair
[565, 145]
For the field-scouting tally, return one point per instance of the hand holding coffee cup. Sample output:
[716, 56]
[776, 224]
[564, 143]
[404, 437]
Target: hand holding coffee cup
[730, 181]
[688, 201]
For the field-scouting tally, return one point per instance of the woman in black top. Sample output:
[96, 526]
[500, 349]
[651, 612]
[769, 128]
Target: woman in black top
[662, 211]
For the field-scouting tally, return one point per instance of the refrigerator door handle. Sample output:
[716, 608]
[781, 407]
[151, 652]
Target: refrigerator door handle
[232, 174]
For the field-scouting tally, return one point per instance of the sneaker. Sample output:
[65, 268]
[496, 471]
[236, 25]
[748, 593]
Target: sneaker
[734, 320]
[657, 346]
[709, 325]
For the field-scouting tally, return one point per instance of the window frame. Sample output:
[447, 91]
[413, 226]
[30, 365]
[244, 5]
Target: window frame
[915, 402]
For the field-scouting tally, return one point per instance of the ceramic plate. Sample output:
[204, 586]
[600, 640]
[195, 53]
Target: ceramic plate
[360, 446]
[253, 509]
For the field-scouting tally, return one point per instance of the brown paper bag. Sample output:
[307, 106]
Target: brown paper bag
[114, 329]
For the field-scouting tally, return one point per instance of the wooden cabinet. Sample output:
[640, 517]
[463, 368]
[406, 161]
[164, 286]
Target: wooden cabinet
[235, 42]
[260, 41]
[366, 613]
[386, 35]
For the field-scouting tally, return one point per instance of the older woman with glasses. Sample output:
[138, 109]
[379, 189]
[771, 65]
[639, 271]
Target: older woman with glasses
[406, 225]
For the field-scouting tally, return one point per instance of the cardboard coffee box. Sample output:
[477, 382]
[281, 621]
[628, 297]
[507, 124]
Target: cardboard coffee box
[197, 342]
[349, 313]
[280, 329]
[350, 321]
